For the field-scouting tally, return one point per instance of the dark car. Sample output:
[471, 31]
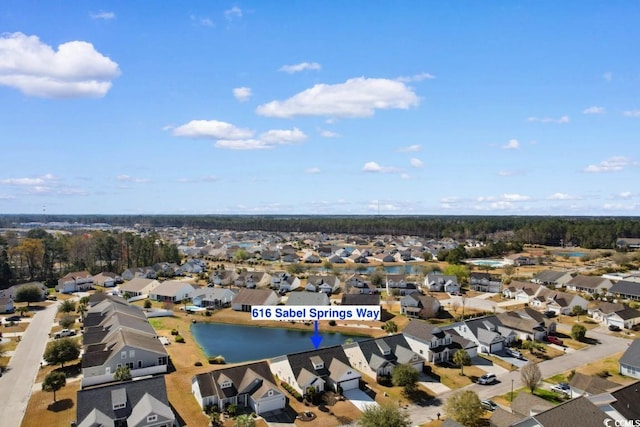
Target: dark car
[552, 339]
[614, 328]
[13, 319]
[550, 314]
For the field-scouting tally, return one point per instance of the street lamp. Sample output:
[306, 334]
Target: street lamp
[511, 404]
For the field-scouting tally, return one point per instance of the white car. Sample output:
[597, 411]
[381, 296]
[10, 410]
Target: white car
[514, 353]
[487, 379]
[64, 333]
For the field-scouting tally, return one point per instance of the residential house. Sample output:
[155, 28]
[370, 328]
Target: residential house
[442, 283]
[323, 369]
[223, 277]
[360, 299]
[527, 323]
[76, 281]
[419, 306]
[191, 266]
[589, 284]
[251, 386]
[289, 257]
[435, 344]
[599, 310]
[247, 298]
[383, 257]
[253, 279]
[6, 305]
[284, 282]
[107, 279]
[552, 278]
[564, 302]
[117, 334]
[172, 291]
[523, 405]
[630, 360]
[581, 411]
[626, 318]
[213, 297]
[398, 284]
[138, 286]
[379, 357]
[626, 290]
[132, 273]
[311, 258]
[142, 403]
[628, 243]
[361, 284]
[489, 334]
[12, 291]
[165, 269]
[307, 298]
[327, 284]
[589, 385]
[485, 282]
[519, 260]
[335, 259]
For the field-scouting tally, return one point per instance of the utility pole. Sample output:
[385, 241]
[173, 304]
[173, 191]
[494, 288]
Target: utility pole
[511, 403]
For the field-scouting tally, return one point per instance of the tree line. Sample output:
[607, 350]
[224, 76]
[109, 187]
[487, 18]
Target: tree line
[45, 257]
[588, 232]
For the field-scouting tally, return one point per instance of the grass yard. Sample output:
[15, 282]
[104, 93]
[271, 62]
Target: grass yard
[451, 376]
[41, 411]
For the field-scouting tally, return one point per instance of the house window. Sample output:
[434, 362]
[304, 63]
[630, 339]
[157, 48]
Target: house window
[152, 418]
[139, 364]
[225, 384]
[130, 365]
[119, 405]
[123, 355]
[132, 354]
[270, 393]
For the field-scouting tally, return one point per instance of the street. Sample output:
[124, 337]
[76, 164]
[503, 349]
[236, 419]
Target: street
[17, 381]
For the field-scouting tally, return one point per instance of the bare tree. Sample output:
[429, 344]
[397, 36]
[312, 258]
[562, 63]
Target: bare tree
[530, 375]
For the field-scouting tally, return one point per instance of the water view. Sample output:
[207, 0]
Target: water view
[242, 343]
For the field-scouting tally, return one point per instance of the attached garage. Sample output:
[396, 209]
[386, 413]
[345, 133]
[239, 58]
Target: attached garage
[272, 401]
[350, 384]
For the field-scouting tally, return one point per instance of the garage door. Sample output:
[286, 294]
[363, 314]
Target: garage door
[266, 405]
[350, 384]
[496, 347]
[616, 322]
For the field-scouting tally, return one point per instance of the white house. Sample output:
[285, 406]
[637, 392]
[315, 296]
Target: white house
[76, 281]
[172, 291]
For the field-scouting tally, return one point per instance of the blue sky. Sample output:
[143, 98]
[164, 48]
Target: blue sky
[301, 107]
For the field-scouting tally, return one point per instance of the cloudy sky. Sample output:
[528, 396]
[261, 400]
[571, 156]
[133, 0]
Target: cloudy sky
[301, 107]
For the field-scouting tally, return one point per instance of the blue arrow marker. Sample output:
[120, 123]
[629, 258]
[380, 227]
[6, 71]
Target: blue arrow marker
[316, 338]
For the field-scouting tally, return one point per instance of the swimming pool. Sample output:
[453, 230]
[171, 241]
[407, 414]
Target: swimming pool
[192, 308]
[495, 263]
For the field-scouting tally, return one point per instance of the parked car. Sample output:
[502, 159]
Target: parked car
[489, 405]
[563, 388]
[13, 318]
[552, 339]
[614, 328]
[64, 333]
[549, 314]
[487, 379]
[514, 353]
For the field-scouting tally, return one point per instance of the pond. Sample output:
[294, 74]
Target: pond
[239, 343]
[570, 254]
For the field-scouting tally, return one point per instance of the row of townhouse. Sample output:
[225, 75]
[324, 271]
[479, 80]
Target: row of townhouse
[116, 335]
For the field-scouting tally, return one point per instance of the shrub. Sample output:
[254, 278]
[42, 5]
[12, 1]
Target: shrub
[179, 339]
[198, 363]
[332, 323]
[293, 392]
[207, 313]
[174, 332]
[217, 360]
[603, 374]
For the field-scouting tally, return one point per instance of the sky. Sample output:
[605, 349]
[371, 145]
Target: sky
[306, 107]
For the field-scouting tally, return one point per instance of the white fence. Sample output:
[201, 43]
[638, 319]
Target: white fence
[107, 378]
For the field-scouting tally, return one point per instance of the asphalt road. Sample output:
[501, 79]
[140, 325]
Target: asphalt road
[18, 379]
[608, 345]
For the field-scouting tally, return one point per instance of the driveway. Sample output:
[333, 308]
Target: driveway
[17, 381]
[359, 398]
[488, 366]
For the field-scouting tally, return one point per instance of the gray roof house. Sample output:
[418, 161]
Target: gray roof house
[527, 323]
[552, 278]
[630, 360]
[140, 403]
[248, 385]
[419, 306]
[323, 283]
[589, 284]
[379, 357]
[139, 286]
[12, 291]
[626, 290]
[307, 298]
[435, 344]
[485, 282]
[247, 298]
[172, 291]
[324, 369]
[441, 283]
[566, 414]
[213, 297]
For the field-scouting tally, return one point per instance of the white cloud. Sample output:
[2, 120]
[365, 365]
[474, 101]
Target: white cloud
[283, 137]
[513, 144]
[128, 178]
[313, 170]
[624, 195]
[374, 167]
[563, 196]
[358, 97]
[102, 15]
[416, 78]
[405, 176]
[212, 129]
[416, 163]
[329, 134]
[75, 70]
[515, 197]
[22, 181]
[296, 68]
[202, 21]
[561, 120]
[208, 178]
[594, 110]
[632, 113]
[233, 13]
[242, 94]
[242, 144]
[613, 164]
[507, 173]
[607, 76]
[411, 148]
